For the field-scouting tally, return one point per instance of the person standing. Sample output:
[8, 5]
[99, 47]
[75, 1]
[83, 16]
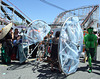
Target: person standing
[11, 32]
[54, 50]
[16, 34]
[99, 39]
[6, 49]
[90, 41]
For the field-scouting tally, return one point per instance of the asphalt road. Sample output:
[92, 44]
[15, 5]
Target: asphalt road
[35, 70]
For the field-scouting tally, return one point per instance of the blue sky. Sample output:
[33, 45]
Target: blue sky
[35, 9]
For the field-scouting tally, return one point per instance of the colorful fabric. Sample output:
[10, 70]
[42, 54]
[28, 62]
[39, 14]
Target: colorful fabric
[4, 56]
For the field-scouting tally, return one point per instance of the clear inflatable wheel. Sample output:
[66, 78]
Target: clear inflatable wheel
[70, 45]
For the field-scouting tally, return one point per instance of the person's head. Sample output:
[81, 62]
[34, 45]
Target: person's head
[99, 34]
[95, 31]
[90, 30]
[57, 34]
[51, 32]
[84, 28]
[16, 31]
[11, 29]
[23, 30]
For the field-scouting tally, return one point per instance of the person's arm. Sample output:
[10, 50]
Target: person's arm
[12, 35]
[18, 37]
[85, 42]
[95, 43]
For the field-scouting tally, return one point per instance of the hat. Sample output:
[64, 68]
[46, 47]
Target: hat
[5, 30]
[94, 29]
[90, 28]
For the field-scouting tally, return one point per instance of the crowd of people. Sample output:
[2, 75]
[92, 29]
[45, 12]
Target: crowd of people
[12, 47]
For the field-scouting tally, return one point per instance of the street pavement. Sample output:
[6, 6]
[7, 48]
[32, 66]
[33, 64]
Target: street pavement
[41, 70]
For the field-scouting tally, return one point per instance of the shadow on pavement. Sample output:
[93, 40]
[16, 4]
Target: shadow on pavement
[84, 69]
[46, 73]
[95, 68]
[17, 66]
[96, 62]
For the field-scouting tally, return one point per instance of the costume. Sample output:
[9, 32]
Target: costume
[6, 49]
[54, 50]
[90, 46]
[22, 52]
